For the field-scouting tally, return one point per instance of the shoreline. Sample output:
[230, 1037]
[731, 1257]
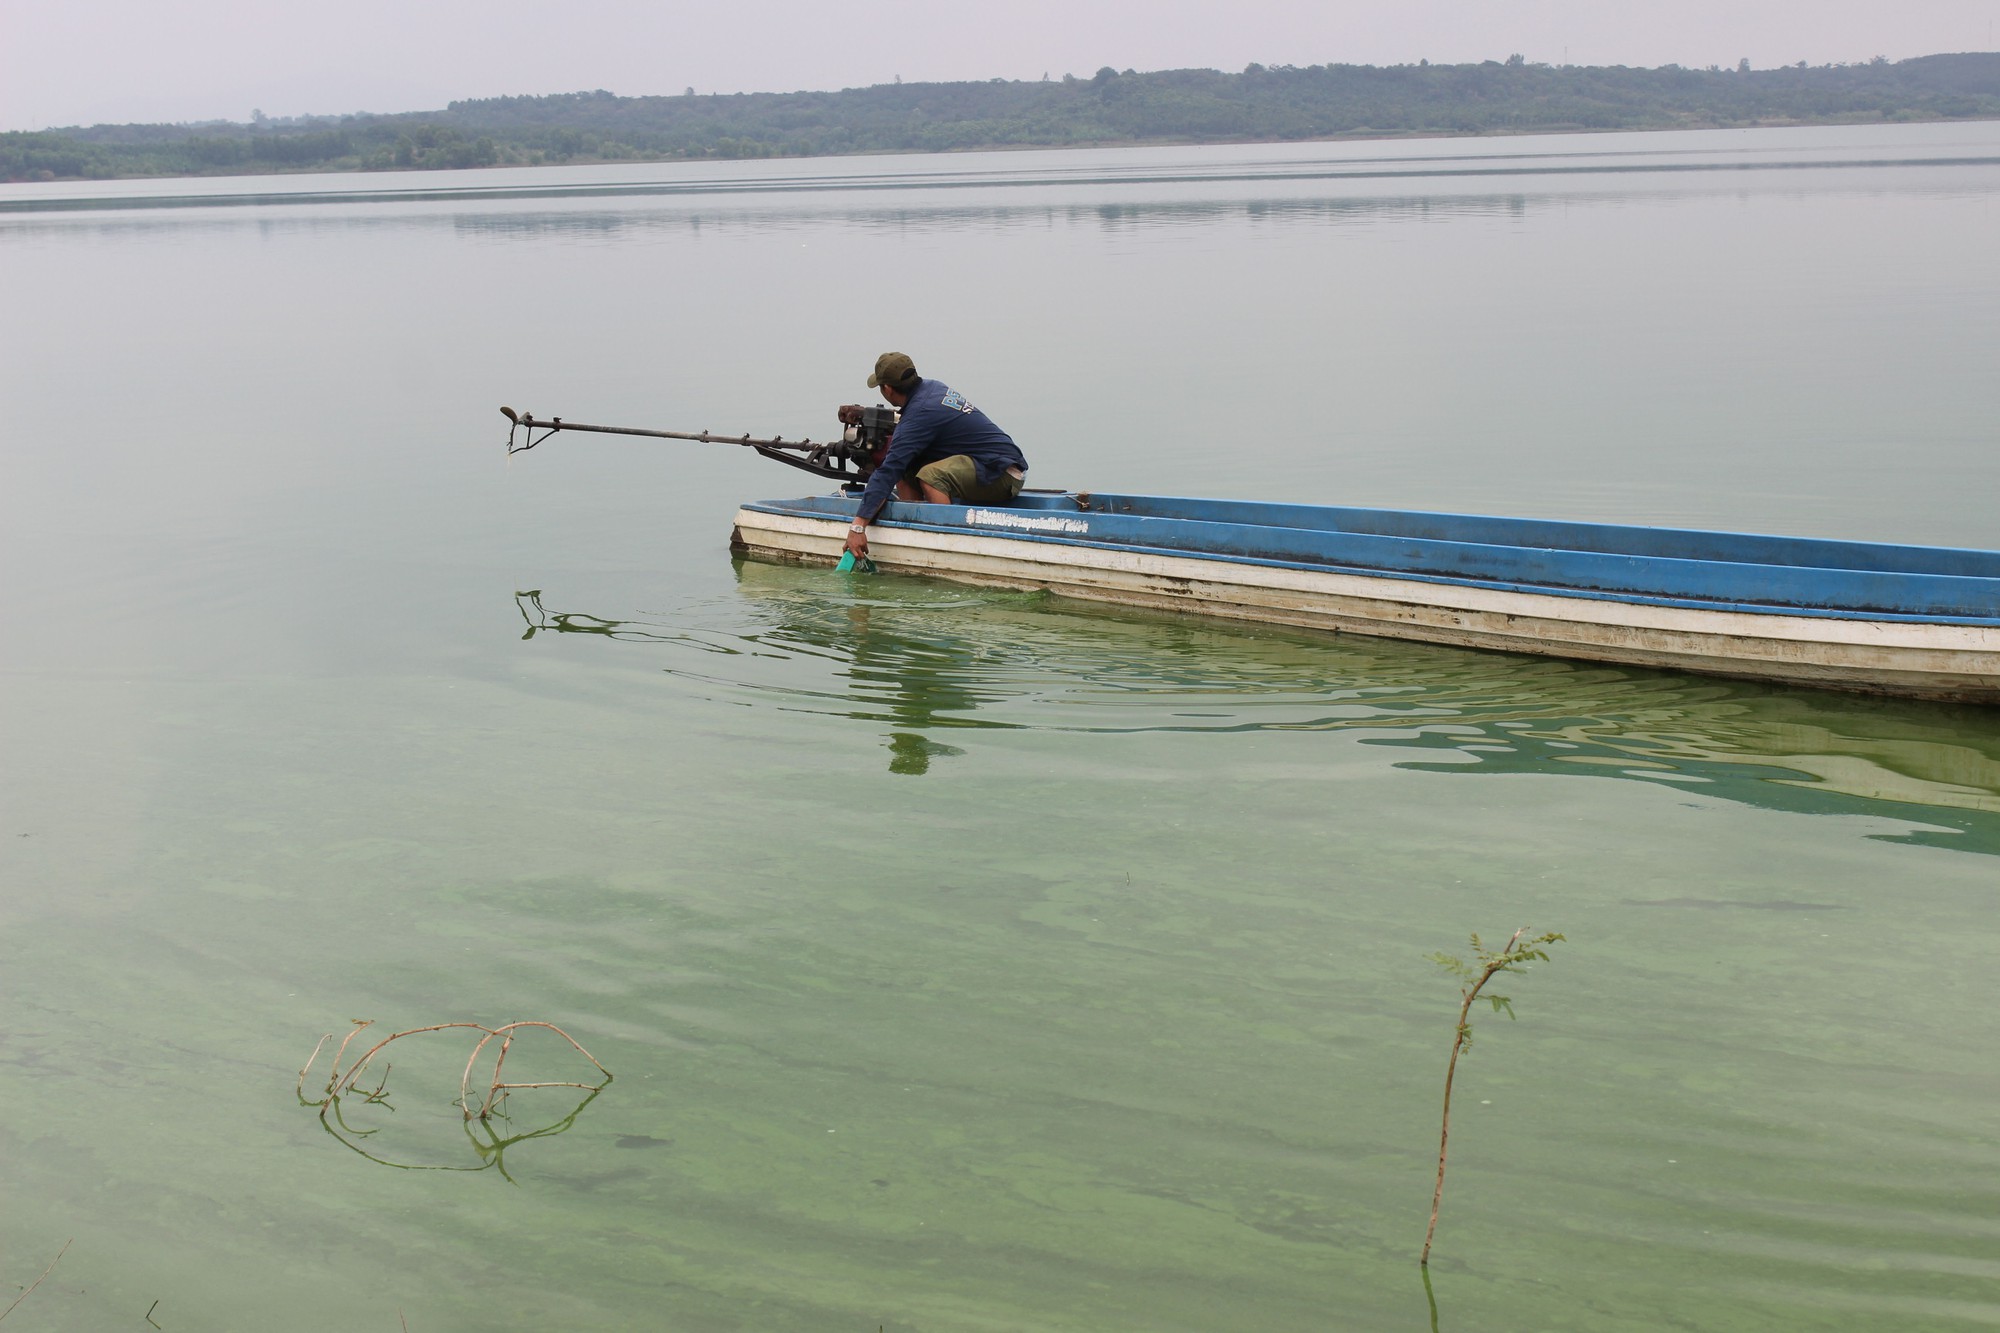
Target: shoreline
[1149, 142]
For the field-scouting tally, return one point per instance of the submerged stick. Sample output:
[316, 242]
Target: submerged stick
[38, 1281]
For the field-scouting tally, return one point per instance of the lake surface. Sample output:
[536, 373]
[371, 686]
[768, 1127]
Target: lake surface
[965, 959]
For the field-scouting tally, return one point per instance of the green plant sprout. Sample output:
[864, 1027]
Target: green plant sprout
[1473, 976]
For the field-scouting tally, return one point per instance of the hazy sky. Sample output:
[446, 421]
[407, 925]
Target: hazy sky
[68, 62]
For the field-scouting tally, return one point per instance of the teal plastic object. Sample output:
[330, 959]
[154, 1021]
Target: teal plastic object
[849, 565]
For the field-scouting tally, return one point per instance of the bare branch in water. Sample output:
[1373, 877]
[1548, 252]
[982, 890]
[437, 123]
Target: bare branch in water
[341, 1081]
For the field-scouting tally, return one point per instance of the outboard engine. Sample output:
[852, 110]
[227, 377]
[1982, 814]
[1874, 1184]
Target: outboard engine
[864, 438]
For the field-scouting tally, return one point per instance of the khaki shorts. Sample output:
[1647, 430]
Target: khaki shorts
[958, 477]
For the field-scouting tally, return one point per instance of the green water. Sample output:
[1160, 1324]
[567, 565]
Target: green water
[973, 960]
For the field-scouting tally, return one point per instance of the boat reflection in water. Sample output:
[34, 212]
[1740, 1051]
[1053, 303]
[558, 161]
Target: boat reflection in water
[926, 662]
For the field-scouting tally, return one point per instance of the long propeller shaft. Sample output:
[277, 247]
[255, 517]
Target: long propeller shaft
[530, 423]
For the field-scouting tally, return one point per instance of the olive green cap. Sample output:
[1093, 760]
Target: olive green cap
[895, 370]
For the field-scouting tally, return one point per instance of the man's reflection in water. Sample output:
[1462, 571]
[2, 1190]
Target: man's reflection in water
[918, 685]
[910, 754]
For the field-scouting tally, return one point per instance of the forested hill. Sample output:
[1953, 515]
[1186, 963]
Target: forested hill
[1171, 106]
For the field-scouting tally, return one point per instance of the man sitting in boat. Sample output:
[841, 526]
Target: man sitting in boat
[944, 451]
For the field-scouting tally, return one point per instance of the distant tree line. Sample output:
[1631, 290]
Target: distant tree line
[1261, 103]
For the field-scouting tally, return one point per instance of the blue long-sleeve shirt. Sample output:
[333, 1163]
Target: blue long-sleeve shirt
[937, 423]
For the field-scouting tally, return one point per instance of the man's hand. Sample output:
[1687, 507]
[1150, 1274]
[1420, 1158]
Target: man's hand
[857, 542]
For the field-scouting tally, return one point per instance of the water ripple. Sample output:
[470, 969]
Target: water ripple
[924, 661]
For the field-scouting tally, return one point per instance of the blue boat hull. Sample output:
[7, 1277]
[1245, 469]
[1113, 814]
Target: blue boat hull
[1921, 621]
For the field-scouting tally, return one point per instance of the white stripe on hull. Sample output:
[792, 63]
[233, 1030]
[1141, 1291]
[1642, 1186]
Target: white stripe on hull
[1958, 662]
